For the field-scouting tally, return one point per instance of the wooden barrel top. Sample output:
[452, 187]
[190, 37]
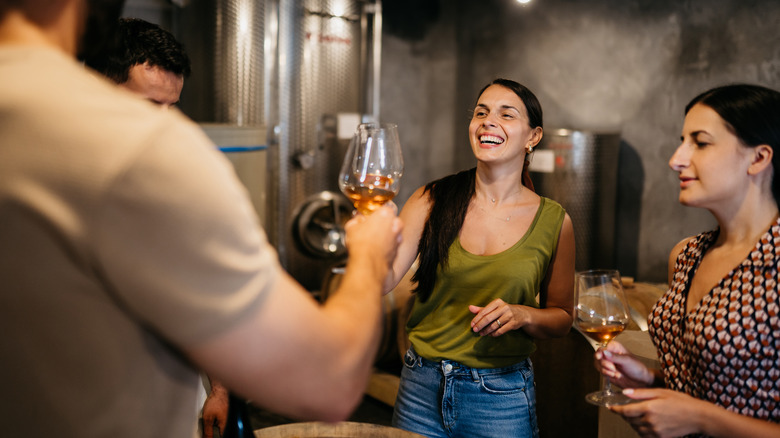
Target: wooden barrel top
[344, 429]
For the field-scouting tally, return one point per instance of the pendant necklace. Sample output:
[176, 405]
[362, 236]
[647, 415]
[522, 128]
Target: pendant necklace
[493, 200]
[502, 219]
[495, 217]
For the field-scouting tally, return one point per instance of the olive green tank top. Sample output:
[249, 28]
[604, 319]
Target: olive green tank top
[440, 328]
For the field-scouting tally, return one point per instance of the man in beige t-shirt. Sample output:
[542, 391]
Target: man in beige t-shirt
[118, 289]
[148, 61]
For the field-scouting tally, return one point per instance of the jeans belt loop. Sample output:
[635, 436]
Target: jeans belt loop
[475, 375]
[418, 360]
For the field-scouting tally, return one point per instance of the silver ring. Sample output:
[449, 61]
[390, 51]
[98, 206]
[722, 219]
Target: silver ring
[499, 323]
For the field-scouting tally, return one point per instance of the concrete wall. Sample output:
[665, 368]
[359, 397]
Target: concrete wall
[598, 65]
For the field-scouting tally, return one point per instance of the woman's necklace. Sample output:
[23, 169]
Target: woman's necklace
[506, 219]
[493, 201]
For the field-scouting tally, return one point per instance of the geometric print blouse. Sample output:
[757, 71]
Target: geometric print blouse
[726, 350]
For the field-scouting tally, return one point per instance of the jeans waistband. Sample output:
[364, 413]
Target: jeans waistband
[451, 367]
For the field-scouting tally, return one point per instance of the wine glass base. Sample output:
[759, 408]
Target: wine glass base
[602, 398]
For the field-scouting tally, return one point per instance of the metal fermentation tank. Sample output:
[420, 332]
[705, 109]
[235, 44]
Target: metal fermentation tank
[226, 43]
[324, 77]
[578, 169]
[307, 72]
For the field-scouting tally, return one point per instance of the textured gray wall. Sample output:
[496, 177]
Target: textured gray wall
[600, 65]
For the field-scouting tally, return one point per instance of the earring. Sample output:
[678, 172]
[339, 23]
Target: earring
[529, 149]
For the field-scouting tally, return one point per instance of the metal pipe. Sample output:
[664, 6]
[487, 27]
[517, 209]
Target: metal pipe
[377, 57]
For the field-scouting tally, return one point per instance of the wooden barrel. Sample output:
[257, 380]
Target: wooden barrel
[396, 305]
[344, 429]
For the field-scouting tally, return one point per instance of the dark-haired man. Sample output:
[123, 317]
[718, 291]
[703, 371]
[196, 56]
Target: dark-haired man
[146, 59]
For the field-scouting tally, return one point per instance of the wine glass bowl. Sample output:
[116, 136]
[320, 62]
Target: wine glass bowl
[601, 313]
[372, 168]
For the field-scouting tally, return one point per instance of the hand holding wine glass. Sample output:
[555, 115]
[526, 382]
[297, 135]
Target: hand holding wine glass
[371, 172]
[601, 314]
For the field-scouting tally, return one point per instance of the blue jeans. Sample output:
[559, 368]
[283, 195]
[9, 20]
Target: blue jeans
[447, 399]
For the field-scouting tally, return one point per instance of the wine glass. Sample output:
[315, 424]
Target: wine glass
[371, 172]
[602, 313]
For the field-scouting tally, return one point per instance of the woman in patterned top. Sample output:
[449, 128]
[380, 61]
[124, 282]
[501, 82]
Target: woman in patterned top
[717, 329]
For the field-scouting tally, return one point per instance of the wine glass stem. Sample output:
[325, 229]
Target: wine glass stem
[607, 387]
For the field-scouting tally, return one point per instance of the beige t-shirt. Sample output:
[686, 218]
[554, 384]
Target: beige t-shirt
[124, 236]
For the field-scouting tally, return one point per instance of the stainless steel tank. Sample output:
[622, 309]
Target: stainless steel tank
[239, 62]
[225, 40]
[321, 78]
[307, 71]
[578, 169]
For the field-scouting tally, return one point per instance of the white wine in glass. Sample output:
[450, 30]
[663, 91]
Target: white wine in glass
[601, 313]
[371, 173]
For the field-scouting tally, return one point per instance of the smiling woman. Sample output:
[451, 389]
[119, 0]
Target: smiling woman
[501, 116]
[487, 245]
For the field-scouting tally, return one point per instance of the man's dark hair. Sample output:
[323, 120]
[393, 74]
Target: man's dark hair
[138, 42]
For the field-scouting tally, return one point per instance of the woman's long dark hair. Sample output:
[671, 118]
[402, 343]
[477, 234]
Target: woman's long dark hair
[450, 197]
[752, 113]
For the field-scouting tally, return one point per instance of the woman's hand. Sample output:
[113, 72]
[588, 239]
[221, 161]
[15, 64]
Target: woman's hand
[617, 364]
[497, 318]
[662, 412]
